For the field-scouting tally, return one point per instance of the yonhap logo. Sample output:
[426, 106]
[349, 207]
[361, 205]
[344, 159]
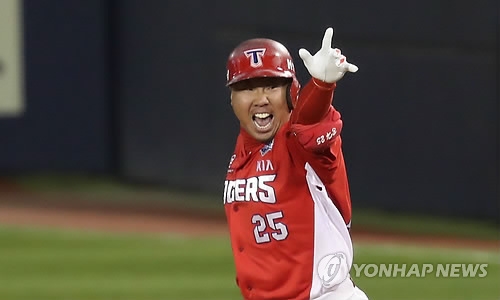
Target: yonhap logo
[333, 269]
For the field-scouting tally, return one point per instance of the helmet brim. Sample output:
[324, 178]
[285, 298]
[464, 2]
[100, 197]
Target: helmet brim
[259, 74]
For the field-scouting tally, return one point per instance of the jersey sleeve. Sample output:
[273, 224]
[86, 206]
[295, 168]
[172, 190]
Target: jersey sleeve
[314, 102]
[320, 138]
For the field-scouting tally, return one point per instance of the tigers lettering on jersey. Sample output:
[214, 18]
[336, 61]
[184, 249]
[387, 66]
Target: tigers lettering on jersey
[255, 189]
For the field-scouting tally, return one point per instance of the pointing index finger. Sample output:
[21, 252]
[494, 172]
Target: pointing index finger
[327, 39]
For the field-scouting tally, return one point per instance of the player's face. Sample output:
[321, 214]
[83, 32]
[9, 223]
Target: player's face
[260, 105]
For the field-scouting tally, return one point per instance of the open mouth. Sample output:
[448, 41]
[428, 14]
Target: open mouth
[262, 121]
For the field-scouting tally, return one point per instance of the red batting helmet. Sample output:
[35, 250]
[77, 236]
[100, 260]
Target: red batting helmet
[262, 58]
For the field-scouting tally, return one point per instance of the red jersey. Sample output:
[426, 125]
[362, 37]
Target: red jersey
[288, 209]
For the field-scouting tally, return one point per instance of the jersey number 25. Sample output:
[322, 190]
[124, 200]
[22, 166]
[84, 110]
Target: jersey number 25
[270, 220]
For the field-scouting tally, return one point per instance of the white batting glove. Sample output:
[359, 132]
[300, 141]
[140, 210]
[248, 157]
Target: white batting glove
[328, 65]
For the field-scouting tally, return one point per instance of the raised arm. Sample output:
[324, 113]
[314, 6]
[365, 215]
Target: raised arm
[314, 102]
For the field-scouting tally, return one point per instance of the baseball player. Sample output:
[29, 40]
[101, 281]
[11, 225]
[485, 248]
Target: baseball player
[286, 193]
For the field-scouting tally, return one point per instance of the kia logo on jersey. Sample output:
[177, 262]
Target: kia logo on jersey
[255, 56]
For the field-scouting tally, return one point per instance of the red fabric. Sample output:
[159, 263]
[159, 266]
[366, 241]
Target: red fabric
[320, 136]
[314, 101]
